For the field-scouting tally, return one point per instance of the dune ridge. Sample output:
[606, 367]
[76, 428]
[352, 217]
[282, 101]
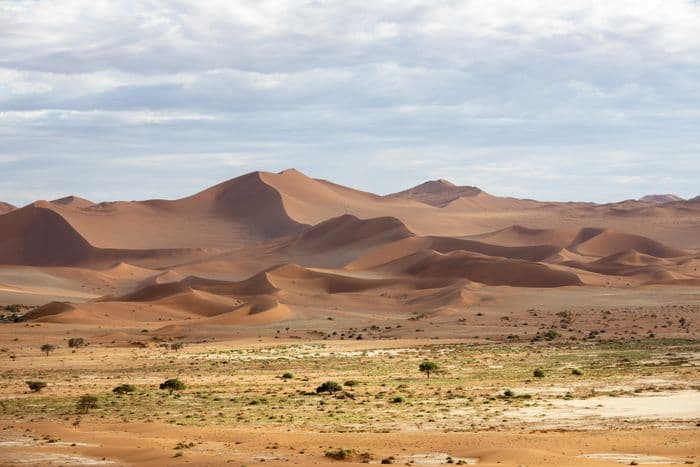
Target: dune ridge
[269, 246]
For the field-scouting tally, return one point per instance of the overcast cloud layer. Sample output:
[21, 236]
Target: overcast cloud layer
[583, 100]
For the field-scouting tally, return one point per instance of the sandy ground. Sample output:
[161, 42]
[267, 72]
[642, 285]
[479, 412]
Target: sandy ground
[634, 402]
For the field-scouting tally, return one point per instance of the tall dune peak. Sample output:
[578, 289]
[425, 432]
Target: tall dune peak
[437, 192]
[73, 201]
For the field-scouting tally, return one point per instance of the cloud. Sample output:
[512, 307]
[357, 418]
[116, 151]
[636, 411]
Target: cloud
[335, 88]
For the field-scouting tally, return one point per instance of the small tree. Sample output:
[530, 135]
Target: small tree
[36, 386]
[124, 389]
[176, 346]
[428, 367]
[173, 384]
[329, 387]
[48, 348]
[86, 403]
[76, 342]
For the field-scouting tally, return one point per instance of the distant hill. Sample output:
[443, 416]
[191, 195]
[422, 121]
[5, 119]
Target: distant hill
[660, 198]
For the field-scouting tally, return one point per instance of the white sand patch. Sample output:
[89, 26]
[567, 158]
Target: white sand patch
[667, 406]
[434, 458]
[628, 458]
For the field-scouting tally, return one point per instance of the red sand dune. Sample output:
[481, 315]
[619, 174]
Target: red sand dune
[337, 241]
[479, 268]
[38, 236]
[73, 201]
[667, 198]
[437, 192]
[6, 207]
[267, 246]
[603, 242]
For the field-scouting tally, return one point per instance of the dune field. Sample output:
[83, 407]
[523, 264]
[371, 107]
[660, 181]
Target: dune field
[557, 333]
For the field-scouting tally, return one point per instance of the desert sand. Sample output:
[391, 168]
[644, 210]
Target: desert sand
[269, 273]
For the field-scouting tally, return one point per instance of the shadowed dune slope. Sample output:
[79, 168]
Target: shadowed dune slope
[248, 198]
[408, 246]
[337, 241]
[518, 235]
[50, 309]
[38, 236]
[604, 242]
[6, 207]
[479, 268]
[588, 241]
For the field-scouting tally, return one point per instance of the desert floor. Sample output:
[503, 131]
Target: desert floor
[636, 402]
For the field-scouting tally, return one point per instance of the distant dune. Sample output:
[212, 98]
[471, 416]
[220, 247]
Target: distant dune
[5, 207]
[668, 198]
[267, 247]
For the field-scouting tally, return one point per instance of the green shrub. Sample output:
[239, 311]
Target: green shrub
[124, 389]
[428, 367]
[397, 400]
[551, 335]
[538, 373]
[173, 384]
[508, 393]
[577, 372]
[86, 403]
[288, 375]
[340, 454]
[48, 348]
[349, 454]
[350, 383]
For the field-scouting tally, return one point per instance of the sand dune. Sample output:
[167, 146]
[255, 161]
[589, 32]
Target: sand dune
[74, 201]
[337, 241]
[38, 236]
[603, 242]
[50, 309]
[285, 245]
[35, 235]
[629, 257]
[6, 207]
[479, 268]
[667, 198]
[408, 246]
[518, 235]
[437, 192]
[262, 310]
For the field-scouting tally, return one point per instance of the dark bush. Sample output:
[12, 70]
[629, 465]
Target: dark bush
[328, 386]
[76, 342]
[86, 403]
[36, 386]
[173, 384]
[124, 389]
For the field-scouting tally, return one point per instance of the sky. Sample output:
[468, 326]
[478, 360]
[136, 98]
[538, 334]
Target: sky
[552, 100]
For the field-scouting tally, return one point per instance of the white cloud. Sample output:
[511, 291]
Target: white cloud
[341, 85]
